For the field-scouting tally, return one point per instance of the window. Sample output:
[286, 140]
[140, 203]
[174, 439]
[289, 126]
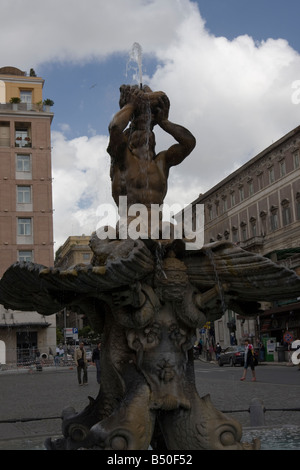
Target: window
[23, 194]
[241, 192]
[286, 215]
[24, 163]
[235, 234]
[23, 135]
[274, 218]
[244, 231]
[296, 159]
[225, 205]
[251, 188]
[25, 256]
[23, 167]
[271, 175]
[260, 181]
[282, 168]
[253, 226]
[217, 208]
[232, 198]
[24, 227]
[4, 134]
[286, 212]
[263, 218]
[274, 221]
[26, 96]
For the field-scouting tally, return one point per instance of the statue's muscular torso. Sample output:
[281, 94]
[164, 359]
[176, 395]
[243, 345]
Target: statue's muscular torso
[142, 179]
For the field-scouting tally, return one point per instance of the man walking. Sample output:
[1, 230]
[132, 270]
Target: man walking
[81, 363]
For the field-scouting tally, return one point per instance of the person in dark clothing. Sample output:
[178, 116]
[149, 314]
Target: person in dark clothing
[96, 360]
[81, 363]
[249, 360]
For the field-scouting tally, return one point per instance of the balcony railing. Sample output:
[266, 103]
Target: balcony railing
[253, 242]
[19, 142]
[25, 107]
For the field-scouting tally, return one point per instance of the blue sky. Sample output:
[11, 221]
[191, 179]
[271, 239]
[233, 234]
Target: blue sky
[228, 67]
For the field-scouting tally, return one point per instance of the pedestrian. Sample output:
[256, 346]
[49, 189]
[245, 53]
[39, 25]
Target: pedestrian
[96, 360]
[218, 351]
[57, 359]
[81, 363]
[249, 360]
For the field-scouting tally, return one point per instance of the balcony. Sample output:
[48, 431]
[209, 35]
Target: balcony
[24, 107]
[252, 243]
[23, 142]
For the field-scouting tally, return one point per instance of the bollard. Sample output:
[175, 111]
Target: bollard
[257, 413]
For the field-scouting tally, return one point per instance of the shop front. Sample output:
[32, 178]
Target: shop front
[279, 327]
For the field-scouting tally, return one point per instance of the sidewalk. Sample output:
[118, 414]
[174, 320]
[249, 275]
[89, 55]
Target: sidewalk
[260, 363]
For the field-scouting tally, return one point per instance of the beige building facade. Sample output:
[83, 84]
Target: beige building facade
[74, 251]
[26, 213]
[258, 208]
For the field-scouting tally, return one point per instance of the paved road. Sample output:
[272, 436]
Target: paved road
[277, 386]
[43, 395]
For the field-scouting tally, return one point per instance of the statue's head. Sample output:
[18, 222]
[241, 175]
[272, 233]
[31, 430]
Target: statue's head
[126, 92]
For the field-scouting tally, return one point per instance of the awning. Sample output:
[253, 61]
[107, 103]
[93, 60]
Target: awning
[286, 308]
[25, 325]
[284, 253]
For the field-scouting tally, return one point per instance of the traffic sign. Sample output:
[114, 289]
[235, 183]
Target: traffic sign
[288, 337]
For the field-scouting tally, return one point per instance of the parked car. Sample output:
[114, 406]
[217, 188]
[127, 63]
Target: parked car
[234, 355]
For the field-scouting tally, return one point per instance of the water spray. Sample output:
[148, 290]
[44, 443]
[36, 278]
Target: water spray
[136, 56]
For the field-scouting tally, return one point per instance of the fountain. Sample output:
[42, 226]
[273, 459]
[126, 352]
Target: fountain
[146, 297]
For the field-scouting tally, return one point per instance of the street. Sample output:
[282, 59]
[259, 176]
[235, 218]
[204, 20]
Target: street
[273, 374]
[277, 386]
[32, 401]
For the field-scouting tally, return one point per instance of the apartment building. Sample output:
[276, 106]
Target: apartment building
[26, 225]
[258, 208]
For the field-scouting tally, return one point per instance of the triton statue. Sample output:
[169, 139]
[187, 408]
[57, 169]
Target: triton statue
[147, 297]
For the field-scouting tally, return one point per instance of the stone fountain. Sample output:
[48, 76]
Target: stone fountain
[146, 297]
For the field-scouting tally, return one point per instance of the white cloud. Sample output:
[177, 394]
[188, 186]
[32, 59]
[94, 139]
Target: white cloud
[76, 31]
[80, 183]
[235, 96]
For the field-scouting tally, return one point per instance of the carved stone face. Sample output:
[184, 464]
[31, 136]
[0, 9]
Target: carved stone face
[161, 356]
[173, 285]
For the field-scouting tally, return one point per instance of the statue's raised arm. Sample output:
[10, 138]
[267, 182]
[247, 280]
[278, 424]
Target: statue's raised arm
[186, 141]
